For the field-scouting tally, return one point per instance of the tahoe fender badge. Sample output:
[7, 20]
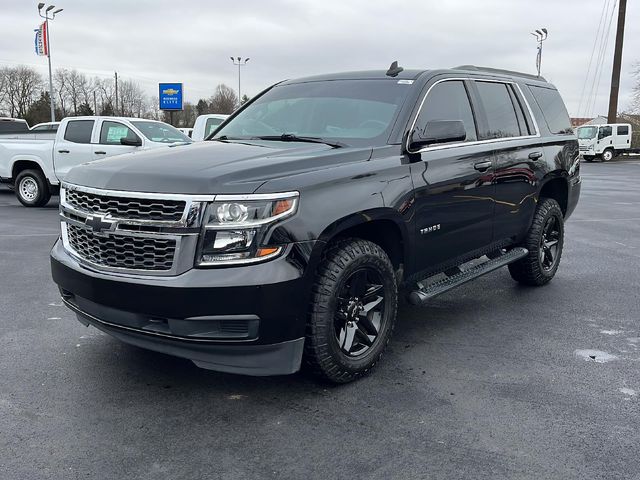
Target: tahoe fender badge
[430, 229]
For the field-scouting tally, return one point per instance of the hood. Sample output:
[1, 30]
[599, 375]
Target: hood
[211, 167]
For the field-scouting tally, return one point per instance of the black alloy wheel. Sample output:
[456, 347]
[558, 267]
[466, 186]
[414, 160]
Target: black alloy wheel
[549, 244]
[360, 312]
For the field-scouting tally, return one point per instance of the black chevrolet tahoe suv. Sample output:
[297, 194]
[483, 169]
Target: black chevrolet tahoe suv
[286, 238]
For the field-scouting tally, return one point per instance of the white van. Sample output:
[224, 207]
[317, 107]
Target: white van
[604, 141]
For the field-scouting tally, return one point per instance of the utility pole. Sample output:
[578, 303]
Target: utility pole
[116, 109]
[541, 35]
[95, 104]
[240, 63]
[617, 64]
[46, 22]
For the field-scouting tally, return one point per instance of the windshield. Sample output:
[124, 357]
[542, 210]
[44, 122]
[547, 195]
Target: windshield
[587, 133]
[161, 132]
[354, 112]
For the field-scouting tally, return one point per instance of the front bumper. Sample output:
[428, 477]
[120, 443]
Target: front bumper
[248, 319]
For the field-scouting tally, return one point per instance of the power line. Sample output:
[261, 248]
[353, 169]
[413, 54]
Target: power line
[593, 49]
[602, 58]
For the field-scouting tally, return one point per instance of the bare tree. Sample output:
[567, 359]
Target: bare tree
[635, 99]
[106, 94]
[224, 100]
[132, 100]
[76, 85]
[60, 87]
[3, 90]
[22, 87]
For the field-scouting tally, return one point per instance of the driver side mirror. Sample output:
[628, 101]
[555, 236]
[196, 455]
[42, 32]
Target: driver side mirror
[437, 131]
[131, 142]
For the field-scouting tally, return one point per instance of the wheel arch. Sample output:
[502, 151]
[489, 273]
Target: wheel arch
[26, 163]
[382, 226]
[555, 185]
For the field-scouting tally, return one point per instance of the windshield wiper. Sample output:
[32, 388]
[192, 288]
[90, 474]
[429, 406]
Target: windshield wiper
[224, 138]
[290, 137]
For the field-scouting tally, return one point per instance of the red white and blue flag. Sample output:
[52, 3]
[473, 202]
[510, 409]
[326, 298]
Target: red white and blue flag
[41, 40]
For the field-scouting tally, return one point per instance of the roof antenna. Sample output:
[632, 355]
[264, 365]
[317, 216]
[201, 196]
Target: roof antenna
[394, 69]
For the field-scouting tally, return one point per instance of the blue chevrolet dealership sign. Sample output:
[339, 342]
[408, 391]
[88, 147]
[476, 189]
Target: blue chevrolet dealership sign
[170, 96]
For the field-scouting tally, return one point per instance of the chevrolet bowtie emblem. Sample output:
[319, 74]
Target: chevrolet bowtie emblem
[98, 224]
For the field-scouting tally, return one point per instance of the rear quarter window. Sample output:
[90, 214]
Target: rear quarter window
[553, 109]
[13, 127]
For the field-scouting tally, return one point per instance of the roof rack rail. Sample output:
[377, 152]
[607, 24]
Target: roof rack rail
[500, 72]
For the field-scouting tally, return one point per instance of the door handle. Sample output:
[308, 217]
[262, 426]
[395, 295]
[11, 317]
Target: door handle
[100, 153]
[63, 151]
[482, 166]
[535, 155]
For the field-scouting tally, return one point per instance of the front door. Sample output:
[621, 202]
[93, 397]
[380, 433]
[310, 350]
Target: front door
[111, 133]
[453, 188]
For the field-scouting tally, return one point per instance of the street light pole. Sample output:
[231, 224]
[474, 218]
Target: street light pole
[240, 63]
[541, 35]
[46, 21]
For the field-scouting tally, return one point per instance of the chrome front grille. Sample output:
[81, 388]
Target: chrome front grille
[126, 208]
[131, 232]
[122, 251]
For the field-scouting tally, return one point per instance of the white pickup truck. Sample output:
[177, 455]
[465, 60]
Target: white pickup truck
[35, 163]
[205, 124]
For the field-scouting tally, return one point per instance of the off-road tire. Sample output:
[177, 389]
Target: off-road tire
[39, 195]
[530, 270]
[323, 356]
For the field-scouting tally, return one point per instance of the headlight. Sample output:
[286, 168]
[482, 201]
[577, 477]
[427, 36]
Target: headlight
[235, 224]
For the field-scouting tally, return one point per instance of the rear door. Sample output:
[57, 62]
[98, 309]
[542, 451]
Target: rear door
[622, 139]
[507, 125]
[73, 146]
[453, 190]
[109, 140]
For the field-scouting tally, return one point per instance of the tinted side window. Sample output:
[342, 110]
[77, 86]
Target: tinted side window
[553, 109]
[112, 132]
[79, 131]
[623, 130]
[13, 127]
[501, 114]
[448, 101]
[605, 132]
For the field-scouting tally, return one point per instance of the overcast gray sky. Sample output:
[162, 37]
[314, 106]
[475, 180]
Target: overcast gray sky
[190, 41]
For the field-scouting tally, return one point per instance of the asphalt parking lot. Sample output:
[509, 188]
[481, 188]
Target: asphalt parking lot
[490, 381]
